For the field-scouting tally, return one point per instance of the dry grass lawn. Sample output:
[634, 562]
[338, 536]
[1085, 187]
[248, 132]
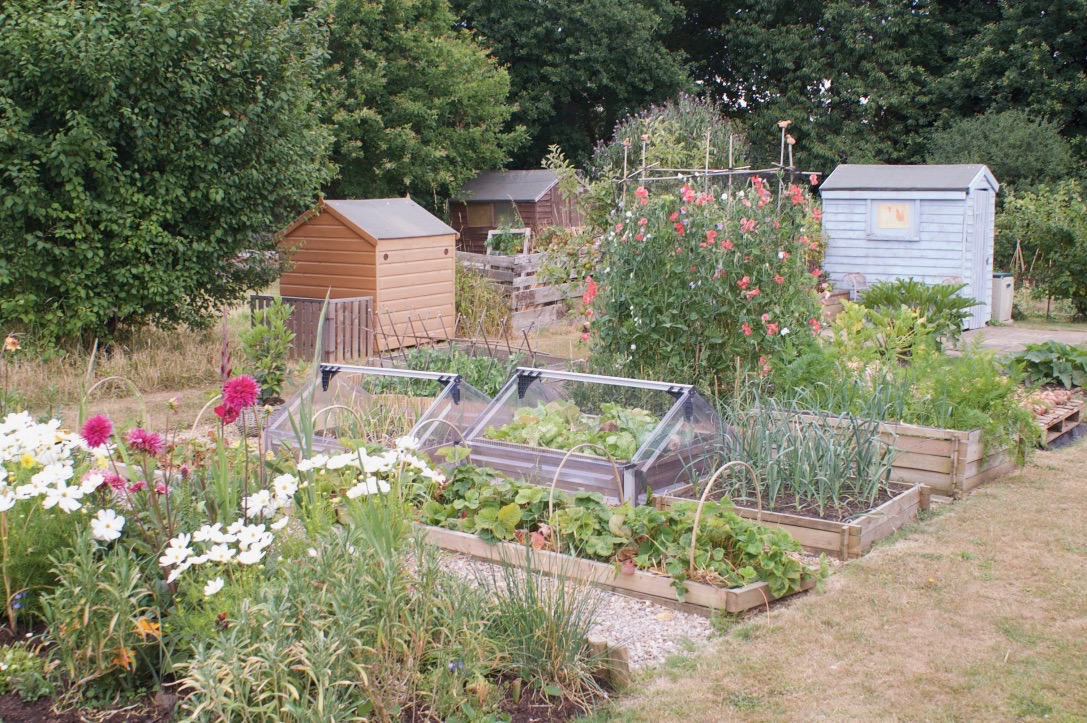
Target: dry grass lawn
[977, 613]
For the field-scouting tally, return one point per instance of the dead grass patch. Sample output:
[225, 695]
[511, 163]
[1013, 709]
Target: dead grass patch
[978, 613]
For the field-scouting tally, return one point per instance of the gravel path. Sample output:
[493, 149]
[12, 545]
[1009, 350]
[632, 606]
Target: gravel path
[651, 632]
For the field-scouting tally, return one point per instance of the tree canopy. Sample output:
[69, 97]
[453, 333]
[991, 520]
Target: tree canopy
[417, 105]
[147, 153]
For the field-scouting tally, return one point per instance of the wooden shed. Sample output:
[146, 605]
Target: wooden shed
[931, 223]
[391, 249]
[509, 199]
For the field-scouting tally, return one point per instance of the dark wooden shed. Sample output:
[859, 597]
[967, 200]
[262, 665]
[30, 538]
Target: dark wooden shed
[509, 199]
[390, 249]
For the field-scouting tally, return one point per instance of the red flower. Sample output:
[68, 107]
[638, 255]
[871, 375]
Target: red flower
[226, 413]
[746, 329]
[618, 227]
[688, 194]
[143, 441]
[742, 283]
[779, 279]
[753, 293]
[643, 221]
[814, 179]
[590, 290]
[771, 329]
[241, 392]
[674, 216]
[815, 325]
[642, 192]
[796, 194]
[114, 480]
[747, 225]
[161, 488]
[137, 486]
[816, 214]
[638, 237]
[727, 245]
[817, 273]
[680, 229]
[711, 235]
[585, 336]
[766, 317]
[97, 430]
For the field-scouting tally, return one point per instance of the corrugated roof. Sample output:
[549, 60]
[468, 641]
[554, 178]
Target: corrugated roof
[508, 186]
[904, 178]
[388, 218]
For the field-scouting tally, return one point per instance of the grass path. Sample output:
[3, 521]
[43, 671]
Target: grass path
[977, 613]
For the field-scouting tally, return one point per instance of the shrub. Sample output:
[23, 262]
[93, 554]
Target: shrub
[480, 305]
[266, 345]
[695, 287]
[1050, 224]
[148, 153]
[939, 307]
[1052, 362]
[24, 672]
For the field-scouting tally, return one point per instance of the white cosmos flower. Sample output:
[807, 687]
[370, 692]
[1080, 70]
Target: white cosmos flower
[785, 331]
[407, 442]
[284, 486]
[53, 474]
[235, 527]
[251, 557]
[371, 486]
[315, 462]
[32, 489]
[7, 499]
[280, 523]
[249, 535]
[92, 481]
[174, 555]
[64, 497]
[107, 525]
[257, 504]
[220, 553]
[312, 552]
[206, 532]
[213, 586]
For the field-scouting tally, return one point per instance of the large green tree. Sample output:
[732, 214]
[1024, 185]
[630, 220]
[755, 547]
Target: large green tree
[417, 104]
[578, 66]
[148, 151]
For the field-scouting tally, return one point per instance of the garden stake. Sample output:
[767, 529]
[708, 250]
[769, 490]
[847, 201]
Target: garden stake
[705, 494]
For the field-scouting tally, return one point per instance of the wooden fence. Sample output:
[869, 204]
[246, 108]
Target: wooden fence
[532, 303]
[347, 334]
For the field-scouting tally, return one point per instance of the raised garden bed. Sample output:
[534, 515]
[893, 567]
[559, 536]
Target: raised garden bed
[646, 585]
[845, 540]
[948, 461]
[532, 303]
[833, 303]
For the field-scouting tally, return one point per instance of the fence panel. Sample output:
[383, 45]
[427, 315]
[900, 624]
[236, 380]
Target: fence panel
[347, 334]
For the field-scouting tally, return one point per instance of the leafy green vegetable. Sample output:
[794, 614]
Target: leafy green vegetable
[1052, 362]
[562, 425]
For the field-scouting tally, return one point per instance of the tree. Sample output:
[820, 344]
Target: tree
[418, 106]
[148, 152]
[577, 66]
[1019, 148]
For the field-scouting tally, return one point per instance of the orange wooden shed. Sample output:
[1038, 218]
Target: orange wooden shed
[391, 249]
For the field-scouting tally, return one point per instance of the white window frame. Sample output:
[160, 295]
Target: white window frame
[913, 233]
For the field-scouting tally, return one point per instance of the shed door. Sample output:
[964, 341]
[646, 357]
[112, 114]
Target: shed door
[982, 273]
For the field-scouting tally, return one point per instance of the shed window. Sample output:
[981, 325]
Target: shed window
[480, 215]
[506, 216]
[892, 219]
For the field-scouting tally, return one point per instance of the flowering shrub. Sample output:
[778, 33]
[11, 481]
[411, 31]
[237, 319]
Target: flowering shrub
[692, 282]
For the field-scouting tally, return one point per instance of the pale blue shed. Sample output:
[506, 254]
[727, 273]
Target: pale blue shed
[931, 223]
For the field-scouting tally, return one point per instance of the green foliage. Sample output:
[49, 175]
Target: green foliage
[939, 307]
[102, 619]
[693, 287]
[731, 551]
[148, 154]
[266, 345]
[480, 305]
[417, 104]
[562, 425]
[506, 243]
[486, 372]
[896, 333]
[577, 66]
[1050, 224]
[1052, 362]
[1018, 147]
[37, 533]
[24, 672]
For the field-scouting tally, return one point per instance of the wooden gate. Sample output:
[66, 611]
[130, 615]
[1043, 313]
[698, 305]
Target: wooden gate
[347, 334]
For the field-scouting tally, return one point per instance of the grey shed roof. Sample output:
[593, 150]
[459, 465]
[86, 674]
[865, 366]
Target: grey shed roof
[508, 186]
[388, 218]
[905, 178]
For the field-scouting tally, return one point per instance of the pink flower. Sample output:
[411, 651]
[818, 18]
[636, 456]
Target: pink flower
[143, 441]
[161, 488]
[114, 480]
[241, 392]
[688, 194]
[618, 227]
[766, 317]
[779, 279]
[711, 235]
[642, 192]
[753, 293]
[747, 225]
[746, 329]
[816, 214]
[815, 325]
[813, 179]
[137, 486]
[590, 290]
[585, 336]
[643, 221]
[97, 430]
[674, 216]
[817, 273]
[226, 413]
[771, 329]
[743, 283]
[680, 229]
[638, 237]
[727, 245]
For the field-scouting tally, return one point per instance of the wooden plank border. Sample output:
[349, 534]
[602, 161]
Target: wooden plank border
[644, 585]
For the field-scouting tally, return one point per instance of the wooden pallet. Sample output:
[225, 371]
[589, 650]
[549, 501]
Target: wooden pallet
[1061, 420]
[700, 598]
[844, 540]
[532, 303]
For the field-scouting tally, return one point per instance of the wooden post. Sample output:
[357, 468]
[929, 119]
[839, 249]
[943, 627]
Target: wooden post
[614, 661]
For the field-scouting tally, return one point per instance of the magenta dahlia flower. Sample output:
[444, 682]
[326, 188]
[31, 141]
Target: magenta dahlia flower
[143, 441]
[241, 392]
[97, 430]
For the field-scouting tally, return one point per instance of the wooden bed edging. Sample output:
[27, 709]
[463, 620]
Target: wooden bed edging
[948, 461]
[844, 540]
[700, 598]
